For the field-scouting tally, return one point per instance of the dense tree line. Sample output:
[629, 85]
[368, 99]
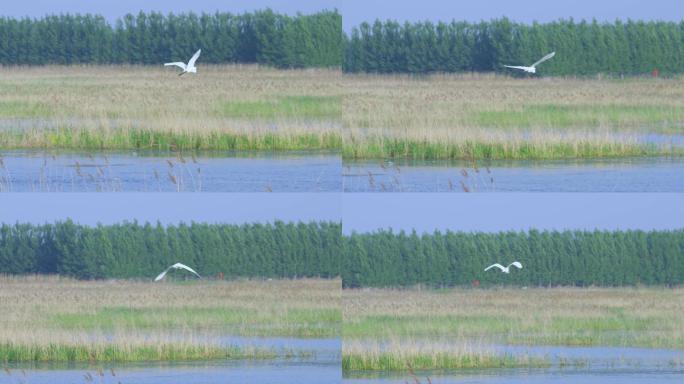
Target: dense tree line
[572, 258]
[132, 250]
[582, 48]
[263, 37]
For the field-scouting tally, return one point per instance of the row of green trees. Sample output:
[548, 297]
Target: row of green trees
[132, 250]
[317, 40]
[582, 48]
[571, 258]
[263, 37]
[318, 249]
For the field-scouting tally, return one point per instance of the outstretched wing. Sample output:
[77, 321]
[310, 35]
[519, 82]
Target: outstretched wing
[161, 275]
[543, 59]
[177, 64]
[516, 67]
[191, 63]
[516, 264]
[183, 266]
[497, 265]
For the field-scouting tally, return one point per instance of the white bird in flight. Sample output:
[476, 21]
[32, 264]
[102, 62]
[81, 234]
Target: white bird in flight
[532, 68]
[505, 269]
[189, 67]
[176, 266]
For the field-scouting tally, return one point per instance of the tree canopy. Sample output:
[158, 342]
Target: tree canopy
[262, 37]
[582, 48]
[133, 250]
[572, 258]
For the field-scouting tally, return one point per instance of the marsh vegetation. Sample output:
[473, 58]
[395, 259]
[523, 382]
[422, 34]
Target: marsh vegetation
[228, 107]
[391, 329]
[57, 319]
[487, 116]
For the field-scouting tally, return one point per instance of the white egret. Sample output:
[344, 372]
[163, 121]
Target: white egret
[532, 68]
[176, 266]
[187, 68]
[505, 269]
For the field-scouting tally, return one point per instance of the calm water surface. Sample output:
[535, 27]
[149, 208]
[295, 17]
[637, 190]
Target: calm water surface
[321, 364]
[658, 174]
[285, 372]
[148, 171]
[568, 365]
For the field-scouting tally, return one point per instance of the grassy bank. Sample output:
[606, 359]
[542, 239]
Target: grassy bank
[105, 352]
[499, 148]
[400, 356]
[124, 107]
[499, 117]
[231, 107]
[53, 319]
[390, 329]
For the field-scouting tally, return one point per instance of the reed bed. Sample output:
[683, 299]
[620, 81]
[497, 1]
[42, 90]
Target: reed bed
[57, 319]
[246, 107]
[390, 329]
[121, 107]
[405, 355]
[500, 117]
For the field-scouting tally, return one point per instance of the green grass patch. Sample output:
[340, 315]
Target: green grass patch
[10, 352]
[613, 330]
[385, 326]
[389, 361]
[23, 109]
[84, 139]
[287, 107]
[378, 147]
[241, 321]
[565, 116]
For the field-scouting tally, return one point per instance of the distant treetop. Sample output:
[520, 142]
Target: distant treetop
[262, 37]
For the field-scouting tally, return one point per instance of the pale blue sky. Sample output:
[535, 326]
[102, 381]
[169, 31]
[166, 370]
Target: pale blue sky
[488, 212]
[168, 208]
[493, 212]
[356, 11]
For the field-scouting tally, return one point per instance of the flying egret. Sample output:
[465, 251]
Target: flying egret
[532, 68]
[176, 266]
[189, 67]
[505, 269]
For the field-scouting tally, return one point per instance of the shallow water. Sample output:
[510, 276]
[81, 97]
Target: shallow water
[317, 348]
[568, 365]
[320, 348]
[283, 371]
[515, 376]
[320, 365]
[653, 174]
[148, 171]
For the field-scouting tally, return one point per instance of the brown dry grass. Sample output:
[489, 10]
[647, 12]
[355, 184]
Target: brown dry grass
[109, 98]
[488, 109]
[49, 310]
[585, 316]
